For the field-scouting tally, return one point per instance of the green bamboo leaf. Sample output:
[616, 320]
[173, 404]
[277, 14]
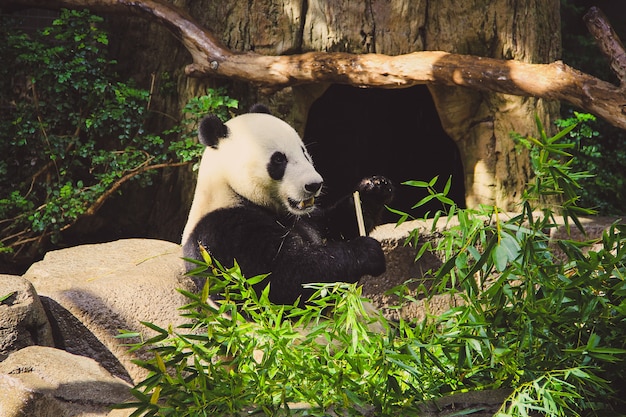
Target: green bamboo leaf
[446, 188]
[424, 201]
[6, 297]
[415, 183]
[154, 327]
[446, 267]
[445, 199]
[500, 257]
[124, 334]
[564, 132]
[160, 365]
[255, 280]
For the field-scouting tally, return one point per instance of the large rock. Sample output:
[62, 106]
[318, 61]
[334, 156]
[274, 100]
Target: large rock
[23, 320]
[93, 291]
[45, 382]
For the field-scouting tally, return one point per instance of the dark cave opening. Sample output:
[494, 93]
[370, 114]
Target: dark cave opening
[352, 133]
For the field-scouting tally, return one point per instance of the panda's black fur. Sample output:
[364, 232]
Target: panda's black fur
[318, 245]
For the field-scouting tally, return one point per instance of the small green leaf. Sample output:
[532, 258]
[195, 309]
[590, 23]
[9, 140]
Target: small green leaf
[420, 184]
[6, 297]
[500, 258]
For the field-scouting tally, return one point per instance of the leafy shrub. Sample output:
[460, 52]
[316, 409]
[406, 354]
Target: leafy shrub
[246, 354]
[599, 150]
[542, 317]
[73, 133]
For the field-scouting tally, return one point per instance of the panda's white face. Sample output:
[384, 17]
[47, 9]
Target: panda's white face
[265, 161]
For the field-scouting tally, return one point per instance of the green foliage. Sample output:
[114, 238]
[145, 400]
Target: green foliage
[603, 153]
[541, 314]
[72, 132]
[542, 317]
[216, 102]
[244, 354]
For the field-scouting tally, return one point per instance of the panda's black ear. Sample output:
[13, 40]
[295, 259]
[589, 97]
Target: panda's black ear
[259, 108]
[211, 130]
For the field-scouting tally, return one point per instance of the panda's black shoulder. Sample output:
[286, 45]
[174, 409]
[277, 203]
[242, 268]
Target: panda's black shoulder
[234, 223]
[247, 233]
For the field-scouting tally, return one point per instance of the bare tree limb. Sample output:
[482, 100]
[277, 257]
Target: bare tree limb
[555, 81]
[608, 41]
[19, 240]
[96, 205]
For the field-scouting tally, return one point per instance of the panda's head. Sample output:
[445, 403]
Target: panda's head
[262, 159]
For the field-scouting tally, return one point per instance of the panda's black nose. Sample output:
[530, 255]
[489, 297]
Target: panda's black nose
[313, 187]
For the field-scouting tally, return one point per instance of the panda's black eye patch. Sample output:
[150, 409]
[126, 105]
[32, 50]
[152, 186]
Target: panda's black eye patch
[276, 166]
[279, 158]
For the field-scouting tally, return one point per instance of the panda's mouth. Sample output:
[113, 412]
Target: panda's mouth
[303, 205]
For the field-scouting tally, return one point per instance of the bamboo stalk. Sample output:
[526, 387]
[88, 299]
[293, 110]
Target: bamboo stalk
[359, 214]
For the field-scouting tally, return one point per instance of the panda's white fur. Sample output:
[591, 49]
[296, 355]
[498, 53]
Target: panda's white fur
[222, 181]
[254, 204]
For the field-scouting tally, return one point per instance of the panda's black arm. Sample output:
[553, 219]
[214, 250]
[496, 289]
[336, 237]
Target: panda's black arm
[345, 261]
[240, 233]
[292, 254]
[339, 221]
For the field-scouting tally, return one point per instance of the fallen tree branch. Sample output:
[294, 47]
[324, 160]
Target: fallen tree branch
[554, 81]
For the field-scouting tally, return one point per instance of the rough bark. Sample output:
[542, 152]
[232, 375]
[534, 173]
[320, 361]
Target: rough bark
[608, 41]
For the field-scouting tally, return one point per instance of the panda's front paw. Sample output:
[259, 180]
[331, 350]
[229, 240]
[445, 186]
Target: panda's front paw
[376, 189]
[370, 256]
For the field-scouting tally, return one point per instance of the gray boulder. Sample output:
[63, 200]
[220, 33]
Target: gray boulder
[93, 291]
[40, 381]
[23, 321]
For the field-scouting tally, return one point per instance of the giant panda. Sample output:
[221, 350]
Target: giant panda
[255, 202]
